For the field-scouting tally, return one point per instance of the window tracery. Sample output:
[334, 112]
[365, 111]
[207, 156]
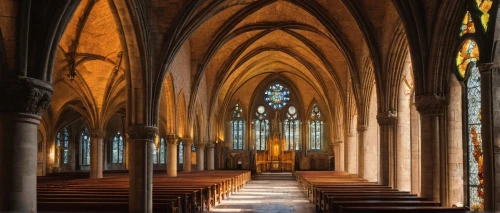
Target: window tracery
[261, 128]
[292, 129]
[315, 128]
[238, 125]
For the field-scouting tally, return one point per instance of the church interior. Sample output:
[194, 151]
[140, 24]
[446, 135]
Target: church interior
[179, 105]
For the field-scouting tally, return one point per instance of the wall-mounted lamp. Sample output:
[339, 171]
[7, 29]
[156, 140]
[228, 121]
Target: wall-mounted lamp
[71, 69]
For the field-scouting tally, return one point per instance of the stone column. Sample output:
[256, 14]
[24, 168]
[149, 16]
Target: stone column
[141, 143]
[172, 142]
[96, 153]
[337, 154]
[24, 100]
[351, 153]
[200, 156]
[187, 143]
[490, 106]
[431, 107]
[387, 167]
[361, 149]
[210, 157]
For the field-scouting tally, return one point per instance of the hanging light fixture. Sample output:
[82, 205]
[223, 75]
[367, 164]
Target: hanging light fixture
[71, 69]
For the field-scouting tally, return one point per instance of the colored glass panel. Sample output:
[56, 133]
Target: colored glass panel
[475, 149]
[315, 129]
[484, 6]
[238, 125]
[261, 128]
[277, 96]
[85, 146]
[467, 25]
[292, 129]
[117, 155]
[469, 52]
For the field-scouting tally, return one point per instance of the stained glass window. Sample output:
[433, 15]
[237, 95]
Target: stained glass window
[261, 127]
[484, 7]
[277, 96]
[292, 129]
[467, 25]
[475, 150]
[117, 155]
[155, 155]
[469, 52]
[163, 152]
[238, 125]
[85, 146]
[63, 140]
[180, 150]
[315, 128]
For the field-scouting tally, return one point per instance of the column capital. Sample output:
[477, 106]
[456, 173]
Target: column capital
[187, 141]
[25, 95]
[361, 128]
[387, 118]
[431, 104]
[143, 132]
[351, 134]
[97, 133]
[200, 145]
[172, 139]
[211, 145]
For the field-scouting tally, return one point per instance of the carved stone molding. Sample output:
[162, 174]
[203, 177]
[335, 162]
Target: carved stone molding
[431, 104]
[141, 132]
[387, 118]
[200, 145]
[484, 67]
[337, 142]
[361, 128]
[172, 139]
[25, 95]
[97, 133]
[211, 145]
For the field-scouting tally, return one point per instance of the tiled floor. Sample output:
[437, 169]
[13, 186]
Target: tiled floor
[270, 196]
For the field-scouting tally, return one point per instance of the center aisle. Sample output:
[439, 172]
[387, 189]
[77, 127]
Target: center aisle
[270, 196]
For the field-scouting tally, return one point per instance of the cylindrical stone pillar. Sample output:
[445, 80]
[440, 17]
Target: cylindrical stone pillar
[187, 143]
[200, 157]
[96, 153]
[210, 157]
[387, 164]
[172, 142]
[361, 150]
[24, 101]
[430, 107]
[352, 153]
[141, 143]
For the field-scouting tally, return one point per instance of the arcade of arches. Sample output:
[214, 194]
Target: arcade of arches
[404, 92]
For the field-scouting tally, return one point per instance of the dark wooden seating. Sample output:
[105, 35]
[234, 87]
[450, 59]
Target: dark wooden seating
[189, 192]
[342, 192]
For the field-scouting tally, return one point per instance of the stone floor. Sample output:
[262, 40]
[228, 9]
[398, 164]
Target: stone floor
[270, 196]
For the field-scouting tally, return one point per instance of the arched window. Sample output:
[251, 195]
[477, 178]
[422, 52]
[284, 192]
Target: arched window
[238, 125]
[117, 155]
[468, 72]
[163, 152]
[261, 127]
[63, 143]
[85, 147]
[315, 128]
[180, 150]
[292, 129]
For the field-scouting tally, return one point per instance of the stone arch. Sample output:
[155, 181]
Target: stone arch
[168, 106]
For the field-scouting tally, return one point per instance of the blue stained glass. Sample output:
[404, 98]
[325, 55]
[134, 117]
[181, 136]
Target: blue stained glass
[238, 125]
[277, 96]
[315, 129]
[292, 130]
[85, 147]
[474, 136]
[261, 128]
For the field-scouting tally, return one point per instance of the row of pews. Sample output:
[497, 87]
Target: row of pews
[341, 192]
[189, 192]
